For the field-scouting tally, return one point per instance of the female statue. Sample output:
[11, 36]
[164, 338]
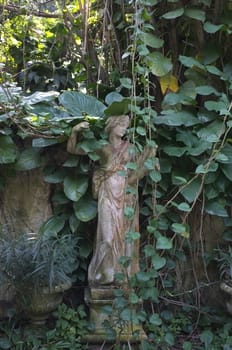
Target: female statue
[114, 185]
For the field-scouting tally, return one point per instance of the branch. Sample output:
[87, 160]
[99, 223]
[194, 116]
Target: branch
[17, 10]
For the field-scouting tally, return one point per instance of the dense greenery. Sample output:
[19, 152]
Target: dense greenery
[167, 64]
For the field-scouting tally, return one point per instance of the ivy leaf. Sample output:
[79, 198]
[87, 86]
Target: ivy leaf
[163, 243]
[8, 150]
[212, 28]
[151, 40]
[212, 132]
[195, 14]
[190, 62]
[213, 207]
[174, 14]
[173, 118]
[158, 261]
[191, 190]
[159, 64]
[85, 209]
[174, 151]
[28, 159]
[155, 320]
[206, 90]
[75, 187]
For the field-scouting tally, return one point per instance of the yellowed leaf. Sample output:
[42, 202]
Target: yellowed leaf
[169, 82]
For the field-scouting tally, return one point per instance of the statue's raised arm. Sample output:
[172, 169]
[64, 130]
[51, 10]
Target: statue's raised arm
[73, 138]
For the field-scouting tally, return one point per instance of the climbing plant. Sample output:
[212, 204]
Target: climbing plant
[167, 64]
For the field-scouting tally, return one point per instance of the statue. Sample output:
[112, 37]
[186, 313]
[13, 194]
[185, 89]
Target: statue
[115, 188]
[111, 183]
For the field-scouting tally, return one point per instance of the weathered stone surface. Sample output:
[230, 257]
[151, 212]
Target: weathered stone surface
[24, 206]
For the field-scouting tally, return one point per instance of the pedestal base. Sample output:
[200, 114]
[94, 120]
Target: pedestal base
[125, 331]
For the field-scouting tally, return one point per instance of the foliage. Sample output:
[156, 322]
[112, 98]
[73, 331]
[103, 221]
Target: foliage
[38, 260]
[69, 326]
[167, 64]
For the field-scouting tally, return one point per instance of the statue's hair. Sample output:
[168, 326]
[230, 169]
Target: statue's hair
[112, 122]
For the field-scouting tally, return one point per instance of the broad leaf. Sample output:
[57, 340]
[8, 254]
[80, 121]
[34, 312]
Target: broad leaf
[158, 261]
[8, 150]
[195, 14]
[75, 187]
[159, 64]
[28, 159]
[118, 108]
[191, 190]
[163, 243]
[39, 96]
[174, 14]
[215, 208]
[53, 226]
[212, 28]
[85, 209]
[151, 40]
[79, 104]
[212, 132]
[113, 97]
[40, 142]
[173, 118]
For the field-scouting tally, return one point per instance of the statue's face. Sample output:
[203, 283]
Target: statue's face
[120, 128]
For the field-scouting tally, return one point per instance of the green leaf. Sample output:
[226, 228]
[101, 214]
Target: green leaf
[163, 243]
[151, 40]
[174, 14]
[149, 2]
[190, 62]
[28, 159]
[113, 97]
[191, 190]
[179, 228]
[75, 187]
[187, 345]
[174, 151]
[169, 338]
[173, 118]
[195, 14]
[53, 175]
[118, 108]
[155, 176]
[141, 131]
[212, 132]
[78, 104]
[159, 64]
[204, 169]
[206, 90]
[212, 28]
[213, 207]
[155, 320]
[126, 82]
[39, 96]
[184, 207]
[227, 170]
[85, 209]
[53, 226]
[206, 337]
[8, 150]
[5, 343]
[40, 142]
[158, 261]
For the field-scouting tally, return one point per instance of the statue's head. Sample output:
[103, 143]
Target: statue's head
[114, 121]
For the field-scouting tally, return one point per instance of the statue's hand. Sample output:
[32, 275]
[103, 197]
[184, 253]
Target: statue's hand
[81, 126]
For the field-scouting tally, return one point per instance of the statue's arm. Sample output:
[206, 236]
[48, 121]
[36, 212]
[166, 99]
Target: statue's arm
[141, 169]
[73, 138]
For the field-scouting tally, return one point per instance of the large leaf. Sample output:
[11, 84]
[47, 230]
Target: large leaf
[54, 225]
[79, 104]
[212, 28]
[195, 14]
[29, 159]
[75, 187]
[8, 150]
[39, 96]
[191, 190]
[173, 118]
[85, 209]
[174, 14]
[41, 142]
[159, 64]
[151, 40]
[118, 108]
[215, 208]
[212, 132]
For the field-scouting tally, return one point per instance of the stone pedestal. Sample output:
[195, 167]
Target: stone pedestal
[97, 299]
